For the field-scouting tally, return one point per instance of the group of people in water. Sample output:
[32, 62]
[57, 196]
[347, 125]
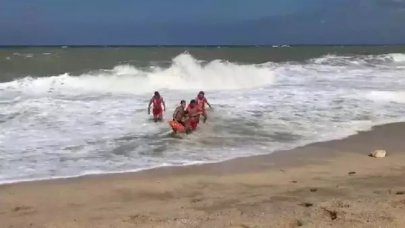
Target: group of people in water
[185, 116]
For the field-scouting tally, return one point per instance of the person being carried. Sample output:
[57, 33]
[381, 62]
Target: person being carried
[180, 116]
[193, 114]
[179, 112]
[157, 102]
[201, 101]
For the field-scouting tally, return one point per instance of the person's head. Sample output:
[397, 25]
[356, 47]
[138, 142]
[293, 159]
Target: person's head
[192, 103]
[157, 94]
[183, 103]
[201, 94]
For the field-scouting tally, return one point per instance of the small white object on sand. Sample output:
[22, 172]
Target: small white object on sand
[378, 153]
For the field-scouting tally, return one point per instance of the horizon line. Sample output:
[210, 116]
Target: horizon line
[185, 45]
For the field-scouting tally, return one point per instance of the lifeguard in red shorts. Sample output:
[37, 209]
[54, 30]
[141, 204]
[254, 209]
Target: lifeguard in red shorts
[158, 107]
[201, 101]
[193, 114]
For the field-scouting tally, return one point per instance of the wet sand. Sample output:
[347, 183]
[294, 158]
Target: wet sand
[324, 184]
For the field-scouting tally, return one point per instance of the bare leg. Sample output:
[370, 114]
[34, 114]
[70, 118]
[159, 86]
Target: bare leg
[187, 126]
[158, 117]
[205, 117]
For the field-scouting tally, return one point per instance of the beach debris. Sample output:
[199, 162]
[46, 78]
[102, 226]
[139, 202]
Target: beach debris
[378, 154]
[21, 208]
[332, 214]
[400, 193]
[294, 182]
[351, 173]
[306, 204]
[313, 189]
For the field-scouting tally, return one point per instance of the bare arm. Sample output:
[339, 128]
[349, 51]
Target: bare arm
[175, 113]
[150, 103]
[164, 105]
[209, 105]
[196, 114]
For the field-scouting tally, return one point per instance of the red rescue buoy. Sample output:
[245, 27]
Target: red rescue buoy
[177, 127]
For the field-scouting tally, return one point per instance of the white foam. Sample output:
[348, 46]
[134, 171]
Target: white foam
[387, 96]
[26, 55]
[397, 57]
[360, 59]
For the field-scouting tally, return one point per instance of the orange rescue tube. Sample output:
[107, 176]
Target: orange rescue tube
[177, 127]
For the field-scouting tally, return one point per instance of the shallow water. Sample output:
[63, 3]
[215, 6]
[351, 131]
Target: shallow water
[96, 122]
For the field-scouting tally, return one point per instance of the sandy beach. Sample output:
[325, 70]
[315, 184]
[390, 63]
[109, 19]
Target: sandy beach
[327, 184]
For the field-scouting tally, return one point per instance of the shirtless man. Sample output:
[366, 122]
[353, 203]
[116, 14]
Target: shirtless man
[157, 102]
[178, 114]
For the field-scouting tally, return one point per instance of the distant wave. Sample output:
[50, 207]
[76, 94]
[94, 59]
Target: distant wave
[185, 73]
[360, 59]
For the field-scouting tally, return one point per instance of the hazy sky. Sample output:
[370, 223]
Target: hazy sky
[205, 22]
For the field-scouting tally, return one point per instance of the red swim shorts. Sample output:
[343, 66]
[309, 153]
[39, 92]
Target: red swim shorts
[193, 124]
[157, 112]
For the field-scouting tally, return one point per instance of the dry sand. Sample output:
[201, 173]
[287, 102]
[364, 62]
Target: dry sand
[320, 185]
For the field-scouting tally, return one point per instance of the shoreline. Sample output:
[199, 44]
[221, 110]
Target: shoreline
[195, 164]
[325, 184]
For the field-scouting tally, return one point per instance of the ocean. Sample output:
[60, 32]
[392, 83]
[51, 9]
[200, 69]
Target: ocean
[72, 111]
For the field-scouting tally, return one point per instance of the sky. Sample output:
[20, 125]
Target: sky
[201, 22]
